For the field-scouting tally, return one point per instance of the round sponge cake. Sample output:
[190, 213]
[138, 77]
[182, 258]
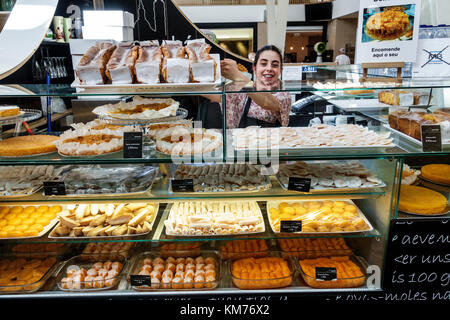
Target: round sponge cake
[438, 173]
[421, 200]
[27, 145]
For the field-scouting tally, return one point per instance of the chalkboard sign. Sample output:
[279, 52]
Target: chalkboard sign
[418, 258]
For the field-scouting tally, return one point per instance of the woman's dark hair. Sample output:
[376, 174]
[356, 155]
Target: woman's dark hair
[268, 47]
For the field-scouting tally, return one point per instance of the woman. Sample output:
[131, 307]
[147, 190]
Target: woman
[266, 109]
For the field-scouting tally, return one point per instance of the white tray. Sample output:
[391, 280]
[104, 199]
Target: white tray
[259, 213]
[274, 204]
[360, 104]
[418, 143]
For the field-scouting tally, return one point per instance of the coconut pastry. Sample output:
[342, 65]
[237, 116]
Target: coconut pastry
[148, 63]
[120, 67]
[139, 108]
[91, 69]
[85, 141]
[183, 141]
[202, 67]
[214, 218]
[175, 66]
[223, 177]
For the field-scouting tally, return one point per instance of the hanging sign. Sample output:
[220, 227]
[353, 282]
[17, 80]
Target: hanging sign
[388, 31]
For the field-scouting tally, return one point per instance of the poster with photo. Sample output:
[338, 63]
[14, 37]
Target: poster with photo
[388, 31]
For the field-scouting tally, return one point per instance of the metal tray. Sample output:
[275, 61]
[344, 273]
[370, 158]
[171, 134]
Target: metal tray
[138, 260]
[259, 213]
[417, 143]
[274, 204]
[53, 236]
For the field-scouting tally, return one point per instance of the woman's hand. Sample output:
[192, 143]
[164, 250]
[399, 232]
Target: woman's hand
[229, 70]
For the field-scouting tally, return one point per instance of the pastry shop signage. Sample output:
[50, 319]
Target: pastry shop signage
[388, 31]
[418, 258]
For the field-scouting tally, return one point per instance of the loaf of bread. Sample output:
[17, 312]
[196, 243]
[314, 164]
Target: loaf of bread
[202, 67]
[120, 67]
[175, 67]
[148, 63]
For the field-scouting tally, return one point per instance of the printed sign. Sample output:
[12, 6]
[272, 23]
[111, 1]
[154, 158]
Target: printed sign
[326, 274]
[431, 137]
[299, 184]
[54, 188]
[433, 58]
[388, 31]
[182, 185]
[290, 226]
[132, 144]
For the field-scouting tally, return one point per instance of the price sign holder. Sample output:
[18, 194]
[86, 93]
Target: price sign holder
[382, 65]
[182, 185]
[326, 274]
[431, 137]
[290, 226]
[132, 144]
[54, 188]
[299, 184]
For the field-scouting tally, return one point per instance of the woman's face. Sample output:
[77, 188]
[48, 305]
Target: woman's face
[267, 70]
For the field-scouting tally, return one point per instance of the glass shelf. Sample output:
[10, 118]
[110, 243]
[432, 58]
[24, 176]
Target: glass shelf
[160, 193]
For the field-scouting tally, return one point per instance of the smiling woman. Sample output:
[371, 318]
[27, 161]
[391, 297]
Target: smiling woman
[265, 109]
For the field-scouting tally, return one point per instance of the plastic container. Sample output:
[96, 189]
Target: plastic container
[344, 277]
[107, 250]
[243, 248]
[171, 248]
[309, 248]
[25, 273]
[77, 264]
[256, 279]
[142, 279]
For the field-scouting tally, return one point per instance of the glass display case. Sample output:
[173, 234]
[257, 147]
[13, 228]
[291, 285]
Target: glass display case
[275, 200]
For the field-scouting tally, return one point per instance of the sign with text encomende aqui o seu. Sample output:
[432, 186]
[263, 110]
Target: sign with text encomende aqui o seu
[380, 40]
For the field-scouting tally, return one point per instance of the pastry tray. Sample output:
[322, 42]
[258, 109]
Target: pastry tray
[321, 190]
[275, 203]
[138, 259]
[417, 143]
[46, 229]
[53, 236]
[86, 264]
[34, 286]
[90, 195]
[33, 191]
[259, 214]
[180, 114]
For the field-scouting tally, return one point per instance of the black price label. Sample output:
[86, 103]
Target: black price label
[182, 185]
[350, 120]
[431, 138]
[299, 184]
[290, 226]
[140, 280]
[54, 188]
[132, 144]
[326, 274]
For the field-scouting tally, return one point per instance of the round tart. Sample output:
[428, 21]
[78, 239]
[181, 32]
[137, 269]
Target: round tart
[387, 25]
[420, 200]
[183, 141]
[27, 145]
[438, 173]
[139, 108]
[9, 111]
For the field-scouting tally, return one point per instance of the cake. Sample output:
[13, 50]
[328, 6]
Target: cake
[27, 145]
[9, 111]
[387, 25]
[420, 200]
[439, 173]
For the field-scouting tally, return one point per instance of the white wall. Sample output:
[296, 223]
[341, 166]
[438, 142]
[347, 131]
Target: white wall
[344, 7]
[242, 13]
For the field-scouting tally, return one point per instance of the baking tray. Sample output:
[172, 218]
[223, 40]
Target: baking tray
[339, 282]
[309, 251]
[268, 183]
[415, 142]
[275, 203]
[32, 286]
[197, 286]
[259, 213]
[313, 190]
[87, 264]
[243, 248]
[53, 236]
[46, 229]
[269, 283]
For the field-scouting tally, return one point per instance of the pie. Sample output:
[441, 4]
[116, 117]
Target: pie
[164, 128]
[139, 109]
[93, 138]
[9, 111]
[388, 25]
[27, 145]
[420, 200]
[439, 173]
[184, 141]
